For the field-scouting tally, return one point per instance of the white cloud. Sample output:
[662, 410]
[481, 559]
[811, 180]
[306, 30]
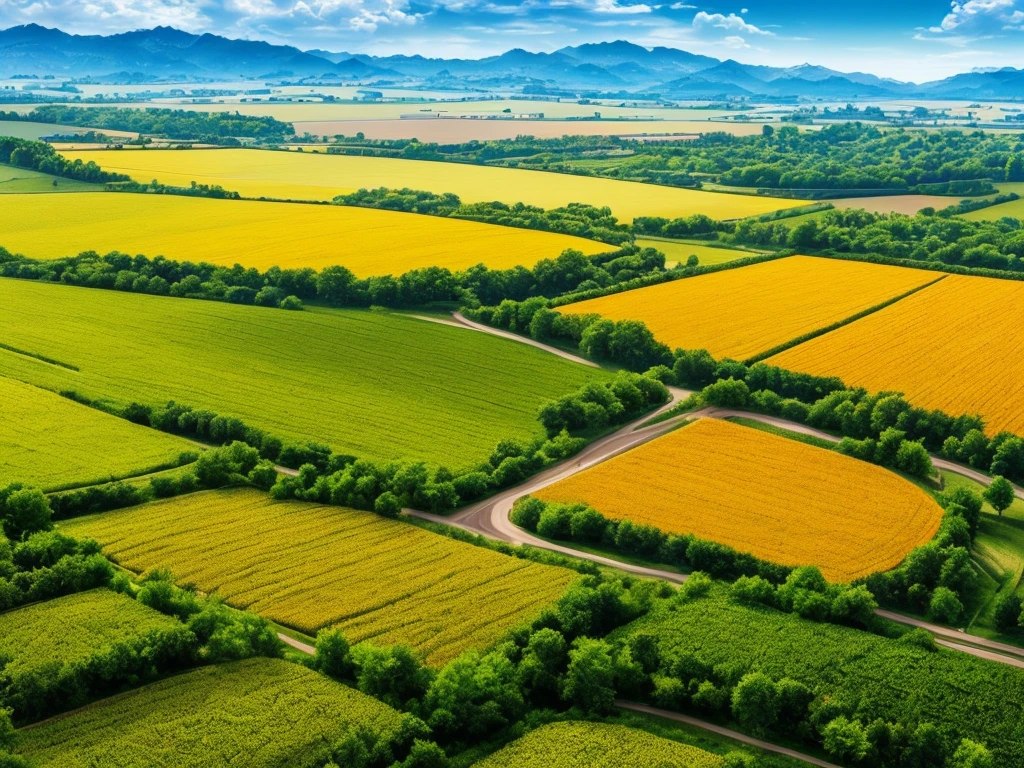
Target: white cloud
[612, 6]
[970, 16]
[735, 41]
[682, 7]
[730, 23]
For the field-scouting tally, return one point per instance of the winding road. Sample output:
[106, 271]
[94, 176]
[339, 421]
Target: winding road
[490, 517]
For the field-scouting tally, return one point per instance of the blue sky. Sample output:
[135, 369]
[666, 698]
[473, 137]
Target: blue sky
[903, 39]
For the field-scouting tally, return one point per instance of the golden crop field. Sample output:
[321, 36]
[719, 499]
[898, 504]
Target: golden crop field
[742, 312]
[780, 499]
[264, 235]
[49, 441]
[308, 176]
[597, 745]
[957, 346]
[308, 566]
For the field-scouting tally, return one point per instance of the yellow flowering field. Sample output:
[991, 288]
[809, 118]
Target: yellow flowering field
[308, 566]
[779, 499]
[742, 312]
[308, 176]
[264, 235]
[957, 346]
[597, 745]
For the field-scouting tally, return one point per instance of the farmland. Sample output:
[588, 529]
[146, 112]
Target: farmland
[768, 304]
[678, 252]
[951, 346]
[309, 567]
[272, 712]
[69, 630]
[876, 677]
[1013, 210]
[306, 176]
[49, 441]
[372, 384]
[597, 745]
[23, 181]
[779, 499]
[264, 235]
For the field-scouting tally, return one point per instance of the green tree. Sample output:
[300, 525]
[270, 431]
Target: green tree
[1000, 494]
[755, 701]
[394, 675]
[333, 655]
[945, 606]
[971, 754]
[589, 680]
[542, 665]
[846, 739]
[24, 512]
[424, 754]
[1015, 168]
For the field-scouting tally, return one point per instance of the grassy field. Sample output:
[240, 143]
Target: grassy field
[372, 384]
[782, 500]
[954, 346]
[23, 181]
[597, 745]
[29, 130]
[261, 712]
[264, 235]
[677, 252]
[69, 630]
[309, 567]
[1012, 210]
[743, 312]
[875, 677]
[306, 176]
[52, 442]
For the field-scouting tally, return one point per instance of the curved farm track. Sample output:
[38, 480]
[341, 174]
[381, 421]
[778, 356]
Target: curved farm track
[490, 517]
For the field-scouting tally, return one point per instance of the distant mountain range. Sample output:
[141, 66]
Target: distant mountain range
[165, 53]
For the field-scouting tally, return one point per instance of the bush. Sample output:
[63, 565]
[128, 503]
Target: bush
[945, 606]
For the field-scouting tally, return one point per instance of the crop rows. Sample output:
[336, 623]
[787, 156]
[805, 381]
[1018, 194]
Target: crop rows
[51, 442]
[310, 567]
[375, 385]
[872, 676]
[597, 745]
[306, 176]
[73, 628]
[740, 313]
[782, 500]
[260, 713]
[957, 346]
[264, 234]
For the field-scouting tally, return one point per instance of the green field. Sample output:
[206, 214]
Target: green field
[1012, 210]
[69, 630]
[261, 713]
[597, 745]
[25, 181]
[376, 385]
[961, 695]
[308, 566]
[51, 442]
[677, 252]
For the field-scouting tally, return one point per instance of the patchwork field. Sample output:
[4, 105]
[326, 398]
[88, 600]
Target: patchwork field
[264, 235]
[49, 441]
[962, 696]
[271, 712]
[310, 567]
[779, 499]
[955, 346]
[678, 253]
[70, 629]
[597, 745]
[372, 384]
[740, 313]
[308, 176]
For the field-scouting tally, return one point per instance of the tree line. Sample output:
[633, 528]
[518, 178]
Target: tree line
[40, 156]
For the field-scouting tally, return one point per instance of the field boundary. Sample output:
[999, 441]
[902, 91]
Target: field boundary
[40, 358]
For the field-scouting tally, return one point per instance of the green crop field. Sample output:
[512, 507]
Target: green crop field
[677, 252]
[49, 441]
[308, 567]
[258, 713]
[372, 384]
[597, 745]
[70, 629]
[961, 695]
[25, 181]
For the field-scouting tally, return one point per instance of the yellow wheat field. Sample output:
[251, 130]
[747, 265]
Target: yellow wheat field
[957, 346]
[263, 235]
[308, 176]
[742, 312]
[781, 500]
[309, 567]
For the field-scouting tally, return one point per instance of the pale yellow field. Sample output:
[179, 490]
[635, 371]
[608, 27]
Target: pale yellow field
[742, 312]
[957, 346]
[262, 235]
[309, 176]
[781, 500]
